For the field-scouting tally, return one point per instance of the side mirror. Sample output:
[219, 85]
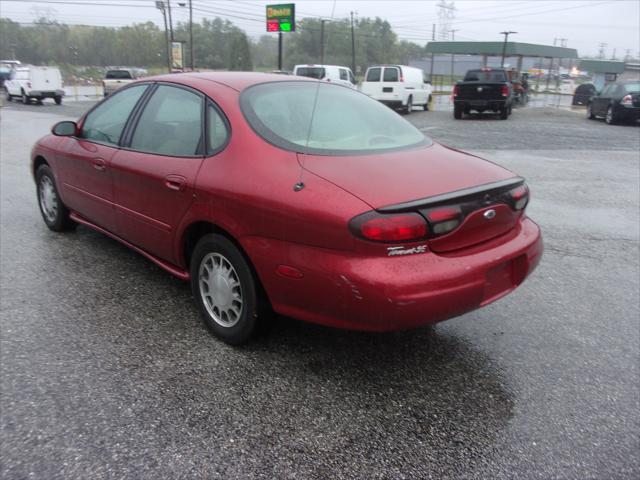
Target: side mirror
[65, 129]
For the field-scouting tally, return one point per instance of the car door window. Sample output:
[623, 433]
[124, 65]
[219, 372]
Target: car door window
[218, 132]
[351, 77]
[373, 75]
[171, 123]
[343, 74]
[106, 122]
[390, 75]
[606, 93]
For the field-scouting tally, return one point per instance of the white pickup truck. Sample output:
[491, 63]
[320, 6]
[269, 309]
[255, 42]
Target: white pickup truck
[31, 82]
[115, 79]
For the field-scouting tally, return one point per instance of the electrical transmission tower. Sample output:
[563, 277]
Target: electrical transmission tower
[602, 52]
[446, 14]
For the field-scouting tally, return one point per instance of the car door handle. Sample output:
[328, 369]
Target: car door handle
[175, 182]
[99, 164]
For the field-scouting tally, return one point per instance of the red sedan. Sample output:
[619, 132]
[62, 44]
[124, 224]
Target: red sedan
[274, 193]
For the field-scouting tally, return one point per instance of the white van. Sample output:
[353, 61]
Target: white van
[328, 73]
[29, 82]
[397, 86]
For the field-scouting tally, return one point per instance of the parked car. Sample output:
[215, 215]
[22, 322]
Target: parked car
[583, 94]
[31, 82]
[617, 102]
[115, 79]
[397, 86]
[328, 73]
[481, 90]
[305, 197]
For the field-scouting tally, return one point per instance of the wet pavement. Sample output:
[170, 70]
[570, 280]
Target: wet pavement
[108, 372]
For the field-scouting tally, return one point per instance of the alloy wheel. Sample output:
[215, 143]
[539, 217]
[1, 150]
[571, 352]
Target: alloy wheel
[220, 289]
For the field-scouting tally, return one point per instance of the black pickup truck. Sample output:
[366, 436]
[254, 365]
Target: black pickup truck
[483, 89]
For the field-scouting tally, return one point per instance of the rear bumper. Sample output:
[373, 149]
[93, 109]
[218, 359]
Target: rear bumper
[481, 104]
[628, 113]
[381, 293]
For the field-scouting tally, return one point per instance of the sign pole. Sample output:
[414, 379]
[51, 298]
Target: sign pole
[279, 50]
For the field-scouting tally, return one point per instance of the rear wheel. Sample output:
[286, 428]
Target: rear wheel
[224, 289]
[611, 117]
[426, 105]
[54, 213]
[58, 100]
[457, 112]
[504, 113]
[590, 114]
[25, 98]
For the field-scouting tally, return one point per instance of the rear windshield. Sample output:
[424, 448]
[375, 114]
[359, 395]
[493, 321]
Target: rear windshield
[311, 72]
[390, 75]
[326, 119]
[632, 87]
[485, 76]
[118, 74]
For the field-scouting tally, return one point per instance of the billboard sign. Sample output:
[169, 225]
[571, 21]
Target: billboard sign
[281, 18]
[177, 55]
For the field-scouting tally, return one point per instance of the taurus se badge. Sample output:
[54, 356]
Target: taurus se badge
[489, 214]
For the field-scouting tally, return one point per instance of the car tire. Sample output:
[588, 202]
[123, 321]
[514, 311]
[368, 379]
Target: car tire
[590, 114]
[25, 99]
[58, 100]
[504, 113]
[426, 105]
[409, 107]
[457, 112]
[611, 117]
[225, 289]
[54, 213]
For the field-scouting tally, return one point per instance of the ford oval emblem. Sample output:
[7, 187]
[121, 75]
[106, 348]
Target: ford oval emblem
[489, 214]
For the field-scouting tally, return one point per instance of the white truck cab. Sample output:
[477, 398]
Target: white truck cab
[398, 86]
[31, 82]
[328, 73]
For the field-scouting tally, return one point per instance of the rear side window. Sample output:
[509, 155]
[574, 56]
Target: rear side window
[218, 132]
[118, 75]
[631, 87]
[106, 122]
[343, 74]
[311, 72]
[373, 75]
[390, 75]
[171, 123]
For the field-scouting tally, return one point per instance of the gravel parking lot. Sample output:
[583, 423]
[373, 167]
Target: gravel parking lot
[108, 372]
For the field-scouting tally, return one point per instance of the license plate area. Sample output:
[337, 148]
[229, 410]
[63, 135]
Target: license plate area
[387, 89]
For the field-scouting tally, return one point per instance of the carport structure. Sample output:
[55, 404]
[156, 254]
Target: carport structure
[495, 49]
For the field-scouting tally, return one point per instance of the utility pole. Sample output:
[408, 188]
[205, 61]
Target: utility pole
[191, 36]
[170, 21]
[453, 39]
[504, 45]
[353, 47]
[160, 6]
[279, 50]
[433, 39]
[322, 41]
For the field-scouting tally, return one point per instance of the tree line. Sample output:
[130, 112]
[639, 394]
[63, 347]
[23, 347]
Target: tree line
[218, 44]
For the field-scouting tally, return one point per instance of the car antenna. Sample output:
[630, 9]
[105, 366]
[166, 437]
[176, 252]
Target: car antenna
[300, 184]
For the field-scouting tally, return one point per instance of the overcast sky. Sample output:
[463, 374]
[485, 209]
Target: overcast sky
[583, 23]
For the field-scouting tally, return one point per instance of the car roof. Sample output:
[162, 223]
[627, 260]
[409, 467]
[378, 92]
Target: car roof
[236, 80]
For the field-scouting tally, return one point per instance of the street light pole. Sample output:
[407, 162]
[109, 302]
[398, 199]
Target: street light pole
[453, 39]
[170, 21]
[504, 45]
[322, 41]
[353, 47]
[191, 36]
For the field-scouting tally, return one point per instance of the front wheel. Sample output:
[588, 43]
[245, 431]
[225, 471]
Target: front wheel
[58, 100]
[224, 288]
[426, 105]
[590, 114]
[54, 213]
[611, 117]
[25, 98]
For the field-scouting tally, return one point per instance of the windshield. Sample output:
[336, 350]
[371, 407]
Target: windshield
[344, 122]
[311, 72]
[118, 74]
[485, 76]
[632, 87]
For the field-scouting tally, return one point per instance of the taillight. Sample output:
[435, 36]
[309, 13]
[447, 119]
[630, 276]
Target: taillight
[505, 91]
[456, 90]
[393, 228]
[627, 100]
[444, 219]
[519, 197]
